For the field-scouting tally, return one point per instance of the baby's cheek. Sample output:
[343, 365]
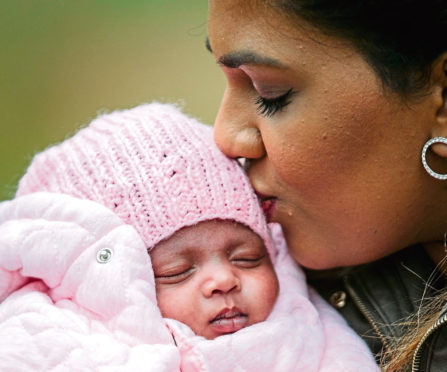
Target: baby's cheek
[267, 291]
[176, 302]
[273, 290]
[165, 302]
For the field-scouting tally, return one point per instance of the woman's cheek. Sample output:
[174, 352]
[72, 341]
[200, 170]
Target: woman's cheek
[298, 164]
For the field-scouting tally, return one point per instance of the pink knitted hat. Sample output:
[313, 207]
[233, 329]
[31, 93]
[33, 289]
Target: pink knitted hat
[156, 168]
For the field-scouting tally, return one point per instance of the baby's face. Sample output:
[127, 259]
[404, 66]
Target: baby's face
[216, 277]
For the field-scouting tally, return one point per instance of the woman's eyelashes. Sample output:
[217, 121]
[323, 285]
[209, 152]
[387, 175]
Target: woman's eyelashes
[270, 106]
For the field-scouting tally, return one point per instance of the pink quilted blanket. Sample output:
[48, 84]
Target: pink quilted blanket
[77, 293]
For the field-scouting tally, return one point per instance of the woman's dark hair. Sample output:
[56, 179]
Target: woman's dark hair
[399, 39]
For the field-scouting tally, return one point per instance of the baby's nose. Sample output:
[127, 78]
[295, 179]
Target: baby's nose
[221, 280]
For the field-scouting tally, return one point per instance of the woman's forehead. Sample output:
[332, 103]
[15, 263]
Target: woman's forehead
[266, 37]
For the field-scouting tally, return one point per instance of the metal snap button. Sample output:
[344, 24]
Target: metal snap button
[104, 255]
[338, 299]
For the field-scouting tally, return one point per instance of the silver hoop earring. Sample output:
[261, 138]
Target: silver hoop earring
[430, 171]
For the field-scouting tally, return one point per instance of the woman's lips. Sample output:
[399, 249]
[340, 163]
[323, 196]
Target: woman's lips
[268, 204]
[268, 207]
[229, 321]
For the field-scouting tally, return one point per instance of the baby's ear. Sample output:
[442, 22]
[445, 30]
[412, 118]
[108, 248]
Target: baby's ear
[439, 79]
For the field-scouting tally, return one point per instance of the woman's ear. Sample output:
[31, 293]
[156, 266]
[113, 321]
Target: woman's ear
[439, 84]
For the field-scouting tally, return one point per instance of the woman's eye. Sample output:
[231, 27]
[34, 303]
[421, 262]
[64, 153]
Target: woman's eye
[270, 106]
[174, 277]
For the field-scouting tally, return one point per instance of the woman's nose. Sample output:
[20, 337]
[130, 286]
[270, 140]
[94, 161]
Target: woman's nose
[220, 280]
[235, 130]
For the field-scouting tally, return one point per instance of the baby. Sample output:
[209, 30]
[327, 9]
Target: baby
[216, 277]
[219, 292]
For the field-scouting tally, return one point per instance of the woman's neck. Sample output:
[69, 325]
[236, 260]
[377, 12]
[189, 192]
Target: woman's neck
[437, 252]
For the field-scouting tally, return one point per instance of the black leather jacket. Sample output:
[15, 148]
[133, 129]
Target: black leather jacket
[376, 297]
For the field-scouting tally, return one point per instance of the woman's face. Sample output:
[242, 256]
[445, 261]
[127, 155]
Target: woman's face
[336, 154]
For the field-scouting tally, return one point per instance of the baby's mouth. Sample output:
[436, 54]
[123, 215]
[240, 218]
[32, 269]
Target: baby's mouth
[229, 320]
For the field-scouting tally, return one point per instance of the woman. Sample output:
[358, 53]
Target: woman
[332, 102]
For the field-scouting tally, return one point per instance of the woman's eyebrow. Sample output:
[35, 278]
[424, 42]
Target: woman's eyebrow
[244, 57]
[208, 45]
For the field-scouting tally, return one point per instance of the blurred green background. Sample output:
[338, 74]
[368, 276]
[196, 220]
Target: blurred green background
[64, 61]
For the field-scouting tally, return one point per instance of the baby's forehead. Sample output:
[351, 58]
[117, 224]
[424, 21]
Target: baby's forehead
[207, 236]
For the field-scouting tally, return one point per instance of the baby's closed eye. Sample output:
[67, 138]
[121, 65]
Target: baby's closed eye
[173, 275]
[247, 261]
[248, 255]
